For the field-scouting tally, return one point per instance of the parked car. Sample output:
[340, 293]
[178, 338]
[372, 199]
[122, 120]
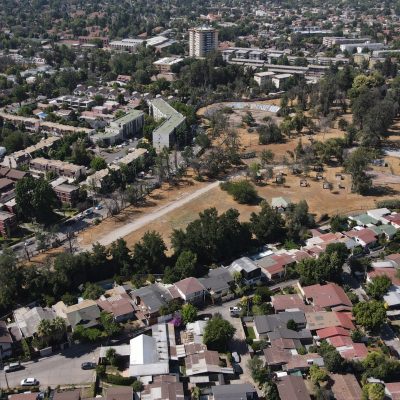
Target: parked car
[13, 367]
[237, 369]
[88, 365]
[236, 357]
[98, 207]
[235, 311]
[29, 382]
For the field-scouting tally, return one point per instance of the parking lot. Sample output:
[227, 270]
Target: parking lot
[59, 369]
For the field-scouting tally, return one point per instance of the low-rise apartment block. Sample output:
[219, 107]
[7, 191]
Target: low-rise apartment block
[165, 134]
[67, 194]
[165, 64]
[122, 128]
[23, 157]
[129, 45]
[8, 223]
[61, 168]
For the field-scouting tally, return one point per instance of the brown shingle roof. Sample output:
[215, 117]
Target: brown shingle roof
[292, 387]
[189, 285]
[346, 387]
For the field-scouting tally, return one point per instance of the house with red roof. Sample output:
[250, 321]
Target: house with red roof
[392, 390]
[340, 341]
[357, 351]
[332, 331]
[393, 219]
[329, 295]
[365, 237]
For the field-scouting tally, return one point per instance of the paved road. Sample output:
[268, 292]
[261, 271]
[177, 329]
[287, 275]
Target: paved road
[59, 369]
[126, 229]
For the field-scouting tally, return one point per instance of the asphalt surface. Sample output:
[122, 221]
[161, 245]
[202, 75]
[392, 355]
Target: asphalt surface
[59, 369]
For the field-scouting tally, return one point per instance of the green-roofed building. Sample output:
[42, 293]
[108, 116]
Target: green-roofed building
[363, 220]
[388, 230]
[129, 125]
[165, 134]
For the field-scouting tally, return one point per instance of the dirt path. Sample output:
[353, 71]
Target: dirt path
[125, 230]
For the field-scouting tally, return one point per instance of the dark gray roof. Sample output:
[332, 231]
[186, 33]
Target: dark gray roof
[284, 333]
[296, 316]
[269, 323]
[217, 279]
[266, 323]
[243, 391]
[154, 296]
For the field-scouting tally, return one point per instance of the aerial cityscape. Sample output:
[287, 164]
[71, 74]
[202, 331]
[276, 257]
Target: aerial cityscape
[199, 200]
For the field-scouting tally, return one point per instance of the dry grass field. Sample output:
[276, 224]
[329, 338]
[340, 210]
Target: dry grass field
[321, 201]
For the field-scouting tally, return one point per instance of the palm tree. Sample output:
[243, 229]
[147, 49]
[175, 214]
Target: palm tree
[44, 328]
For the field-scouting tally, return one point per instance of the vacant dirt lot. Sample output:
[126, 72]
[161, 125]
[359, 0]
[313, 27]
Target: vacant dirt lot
[157, 199]
[321, 201]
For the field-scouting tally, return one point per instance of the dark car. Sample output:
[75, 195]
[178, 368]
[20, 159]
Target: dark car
[237, 369]
[88, 365]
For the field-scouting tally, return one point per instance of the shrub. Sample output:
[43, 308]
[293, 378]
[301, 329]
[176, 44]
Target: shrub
[242, 191]
[119, 380]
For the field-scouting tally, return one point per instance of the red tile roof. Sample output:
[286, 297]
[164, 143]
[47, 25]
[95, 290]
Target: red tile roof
[366, 235]
[282, 302]
[332, 331]
[358, 351]
[340, 341]
[389, 272]
[345, 320]
[329, 295]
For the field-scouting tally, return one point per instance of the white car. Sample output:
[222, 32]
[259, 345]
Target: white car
[29, 382]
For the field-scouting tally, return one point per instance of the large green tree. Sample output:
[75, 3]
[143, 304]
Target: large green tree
[35, 199]
[267, 225]
[371, 315]
[218, 333]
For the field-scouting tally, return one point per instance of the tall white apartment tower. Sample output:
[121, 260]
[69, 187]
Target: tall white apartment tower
[202, 40]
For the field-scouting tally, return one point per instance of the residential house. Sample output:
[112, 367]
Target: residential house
[240, 391]
[325, 319]
[74, 394]
[364, 220]
[119, 393]
[345, 387]
[289, 302]
[148, 300]
[217, 283]
[6, 341]
[249, 271]
[24, 396]
[119, 305]
[204, 362]
[265, 324]
[86, 313]
[379, 214]
[163, 387]
[190, 290]
[393, 219]
[386, 231]
[28, 319]
[292, 387]
[274, 266]
[365, 237]
[329, 295]
[392, 390]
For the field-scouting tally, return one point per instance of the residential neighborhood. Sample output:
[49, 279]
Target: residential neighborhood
[199, 200]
